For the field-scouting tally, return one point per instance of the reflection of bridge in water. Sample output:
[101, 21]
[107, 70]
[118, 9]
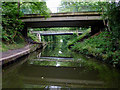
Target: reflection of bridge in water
[59, 59]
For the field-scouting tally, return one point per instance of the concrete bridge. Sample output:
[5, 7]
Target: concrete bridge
[48, 33]
[63, 20]
[77, 19]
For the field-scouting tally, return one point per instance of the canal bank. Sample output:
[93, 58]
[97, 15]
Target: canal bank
[101, 46]
[12, 55]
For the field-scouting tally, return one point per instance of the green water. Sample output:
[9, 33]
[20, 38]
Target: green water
[58, 67]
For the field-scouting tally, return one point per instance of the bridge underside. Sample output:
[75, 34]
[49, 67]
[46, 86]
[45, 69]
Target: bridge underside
[78, 23]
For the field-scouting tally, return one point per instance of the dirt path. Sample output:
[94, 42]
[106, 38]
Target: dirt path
[14, 51]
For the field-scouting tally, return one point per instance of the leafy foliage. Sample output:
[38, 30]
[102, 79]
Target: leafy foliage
[99, 46]
[33, 37]
[105, 46]
[12, 11]
[10, 22]
[76, 39]
[35, 8]
[79, 6]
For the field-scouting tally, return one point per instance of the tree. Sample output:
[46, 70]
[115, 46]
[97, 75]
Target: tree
[35, 8]
[113, 16]
[76, 6]
[11, 24]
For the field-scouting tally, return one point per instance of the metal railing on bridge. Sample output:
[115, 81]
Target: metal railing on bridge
[62, 10]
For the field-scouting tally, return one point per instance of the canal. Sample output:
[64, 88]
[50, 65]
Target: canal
[56, 66]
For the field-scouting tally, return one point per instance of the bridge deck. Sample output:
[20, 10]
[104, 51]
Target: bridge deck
[45, 33]
[63, 20]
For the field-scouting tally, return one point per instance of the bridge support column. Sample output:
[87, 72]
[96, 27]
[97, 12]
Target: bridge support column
[39, 37]
[24, 31]
[77, 31]
[96, 29]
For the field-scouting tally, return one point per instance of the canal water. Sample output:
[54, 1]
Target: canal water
[56, 66]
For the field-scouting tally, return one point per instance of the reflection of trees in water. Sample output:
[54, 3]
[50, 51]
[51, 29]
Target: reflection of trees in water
[54, 48]
[110, 76]
[57, 38]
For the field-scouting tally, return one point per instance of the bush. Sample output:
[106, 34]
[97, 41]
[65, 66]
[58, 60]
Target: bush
[33, 37]
[99, 46]
[76, 39]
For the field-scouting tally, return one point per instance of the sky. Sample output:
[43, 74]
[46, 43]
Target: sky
[53, 4]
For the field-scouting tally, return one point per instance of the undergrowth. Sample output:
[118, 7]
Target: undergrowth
[33, 37]
[71, 42]
[19, 43]
[101, 47]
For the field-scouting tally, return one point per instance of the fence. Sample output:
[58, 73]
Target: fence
[63, 10]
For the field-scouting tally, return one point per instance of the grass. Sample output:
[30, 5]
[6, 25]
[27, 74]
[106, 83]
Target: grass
[19, 43]
[79, 37]
[33, 37]
[101, 47]
[6, 47]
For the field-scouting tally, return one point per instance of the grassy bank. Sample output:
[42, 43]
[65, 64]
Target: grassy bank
[100, 46]
[6, 47]
[78, 38]
[18, 43]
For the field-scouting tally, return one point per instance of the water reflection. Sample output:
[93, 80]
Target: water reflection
[57, 64]
[61, 40]
[52, 69]
[60, 52]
